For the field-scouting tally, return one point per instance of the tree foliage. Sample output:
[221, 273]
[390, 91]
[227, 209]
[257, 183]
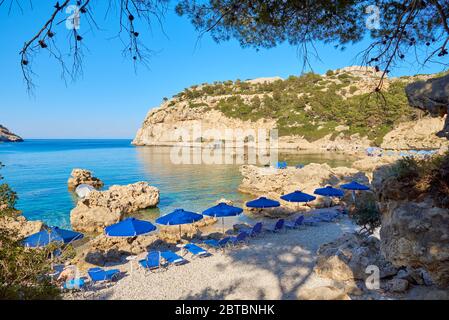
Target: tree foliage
[22, 270]
[397, 28]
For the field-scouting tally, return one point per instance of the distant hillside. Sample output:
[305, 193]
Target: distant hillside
[335, 105]
[8, 136]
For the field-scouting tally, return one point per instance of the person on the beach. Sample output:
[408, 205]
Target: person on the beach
[67, 274]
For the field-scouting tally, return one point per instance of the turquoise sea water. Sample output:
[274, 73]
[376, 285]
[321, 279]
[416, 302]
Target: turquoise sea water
[38, 171]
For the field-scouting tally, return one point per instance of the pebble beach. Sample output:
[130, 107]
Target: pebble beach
[271, 266]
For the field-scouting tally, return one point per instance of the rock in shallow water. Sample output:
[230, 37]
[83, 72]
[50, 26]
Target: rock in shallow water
[102, 208]
[83, 176]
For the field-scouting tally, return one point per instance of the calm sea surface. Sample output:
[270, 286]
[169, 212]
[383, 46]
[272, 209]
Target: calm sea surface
[38, 171]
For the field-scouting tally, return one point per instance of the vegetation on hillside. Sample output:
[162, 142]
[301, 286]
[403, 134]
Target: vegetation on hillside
[311, 105]
[22, 270]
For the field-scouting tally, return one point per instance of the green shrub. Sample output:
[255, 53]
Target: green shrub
[366, 215]
[22, 270]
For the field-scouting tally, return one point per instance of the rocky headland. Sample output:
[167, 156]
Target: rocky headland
[312, 103]
[8, 136]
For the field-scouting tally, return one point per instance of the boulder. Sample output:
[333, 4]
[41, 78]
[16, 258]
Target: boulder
[102, 208]
[8, 136]
[323, 293]
[19, 227]
[419, 134]
[416, 234]
[369, 164]
[347, 258]
[82, 176]
[431, 95]
[397, 285]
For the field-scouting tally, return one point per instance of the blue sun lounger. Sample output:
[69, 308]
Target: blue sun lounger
[172, 258]
[294, 224]
[217, 244]
[277, 227]
[98, 274]
[195, 250]
[239, 239]
[152, 261]
[312, 221]
[255, 230]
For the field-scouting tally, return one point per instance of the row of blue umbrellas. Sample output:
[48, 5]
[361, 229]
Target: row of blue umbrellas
[132, 227]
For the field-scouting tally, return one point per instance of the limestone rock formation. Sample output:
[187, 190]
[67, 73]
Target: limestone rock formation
[416, 234]
[103, 208]
[179, 123]
[19, 226]
[323, 293]
[83, 176]
[370, 164]
[431, 95]
[415, 218]
[347, 258]
[273, 182]
[420, 134]
[8, 136]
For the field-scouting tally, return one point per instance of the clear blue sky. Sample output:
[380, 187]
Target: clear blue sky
[111, 100]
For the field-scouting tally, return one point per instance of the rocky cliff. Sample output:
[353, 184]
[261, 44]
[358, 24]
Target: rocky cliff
[334, 111]
[414, 201]
[431, 95]
[8, 136]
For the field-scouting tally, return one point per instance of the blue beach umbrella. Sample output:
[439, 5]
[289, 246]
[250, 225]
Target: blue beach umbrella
[53, 234]
[298, 196]
[129, 227]
[354, 185]
[222, 210]
[330, 192]
[263, 202]
[179, 217]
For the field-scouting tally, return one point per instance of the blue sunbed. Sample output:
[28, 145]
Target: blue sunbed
[277, 227]
[99, 274]
[255, 230]
[217, 244]
[294, 224]
[195, 250]
[172, 258]
[311, 221]
[240, 238]
[152, 261]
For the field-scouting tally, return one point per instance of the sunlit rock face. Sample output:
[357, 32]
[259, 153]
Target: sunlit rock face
[8, 136]
[102, 208]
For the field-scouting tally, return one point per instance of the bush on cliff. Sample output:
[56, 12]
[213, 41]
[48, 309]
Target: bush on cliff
[414, 179]
[22, 270]
[8, 199]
